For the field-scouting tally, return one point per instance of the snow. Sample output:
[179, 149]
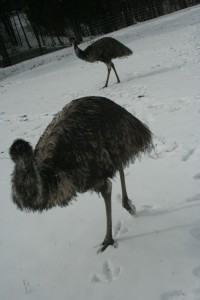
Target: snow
[53, 255]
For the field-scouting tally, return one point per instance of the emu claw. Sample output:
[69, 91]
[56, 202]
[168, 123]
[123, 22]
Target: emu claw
[130, 208]
[105, 244]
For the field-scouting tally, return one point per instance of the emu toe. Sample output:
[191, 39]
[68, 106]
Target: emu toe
[107, 243]
[128, 205]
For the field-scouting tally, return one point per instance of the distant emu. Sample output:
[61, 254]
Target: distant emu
[104, 50]
[81, 149]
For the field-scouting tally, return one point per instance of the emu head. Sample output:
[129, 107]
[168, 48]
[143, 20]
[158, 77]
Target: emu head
[21, 151]
[25, 190]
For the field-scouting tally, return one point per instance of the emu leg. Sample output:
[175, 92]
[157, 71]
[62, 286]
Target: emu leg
[112, 65]
[126, 203]
[109, 69]
[106, 193]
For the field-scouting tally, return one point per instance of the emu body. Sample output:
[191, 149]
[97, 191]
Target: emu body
[81, 149]
[104, 50]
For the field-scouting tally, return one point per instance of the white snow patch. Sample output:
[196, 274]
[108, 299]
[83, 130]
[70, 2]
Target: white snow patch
[52, 255]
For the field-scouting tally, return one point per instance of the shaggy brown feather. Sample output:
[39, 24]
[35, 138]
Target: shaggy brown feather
[85, 144]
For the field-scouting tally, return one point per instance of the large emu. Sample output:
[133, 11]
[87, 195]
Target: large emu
[81, 149]
[104, 50]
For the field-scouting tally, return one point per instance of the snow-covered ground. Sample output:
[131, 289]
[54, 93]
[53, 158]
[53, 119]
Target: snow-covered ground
[53, 255]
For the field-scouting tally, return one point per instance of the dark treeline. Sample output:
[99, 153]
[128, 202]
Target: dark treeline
[53, 20]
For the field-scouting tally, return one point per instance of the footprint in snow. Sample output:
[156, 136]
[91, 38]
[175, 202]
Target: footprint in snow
[198, 97]
[194, 198]
[27, 286]
[120, 229]
[189, 153]
[145, 211]
[196, 271]
[196, 176]
[195, 232]
[107, 274]
[161, 149]
[23, 118]
[119, 198]
[37, 127]
[181, 295]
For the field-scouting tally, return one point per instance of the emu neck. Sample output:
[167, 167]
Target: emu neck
[26, 191]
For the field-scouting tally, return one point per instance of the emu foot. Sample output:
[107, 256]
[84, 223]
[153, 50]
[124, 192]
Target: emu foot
[106, 243]
[128, 205]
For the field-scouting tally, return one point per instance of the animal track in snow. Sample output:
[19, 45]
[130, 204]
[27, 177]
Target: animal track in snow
[196, 176]
[27, 287]
[131, 94]
[195, 232]
[198, 97]
[107, 274]
[196, 271]
[162, 148]
[146, 210]
[189, 153]
[120, 229]
[181, 295]
[194, 198]
[119, 198]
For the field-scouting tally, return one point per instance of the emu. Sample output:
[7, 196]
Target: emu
[104, 50]
[81, 149]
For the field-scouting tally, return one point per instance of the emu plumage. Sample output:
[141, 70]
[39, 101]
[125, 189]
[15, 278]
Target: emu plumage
[104, 50]
[81, 149]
